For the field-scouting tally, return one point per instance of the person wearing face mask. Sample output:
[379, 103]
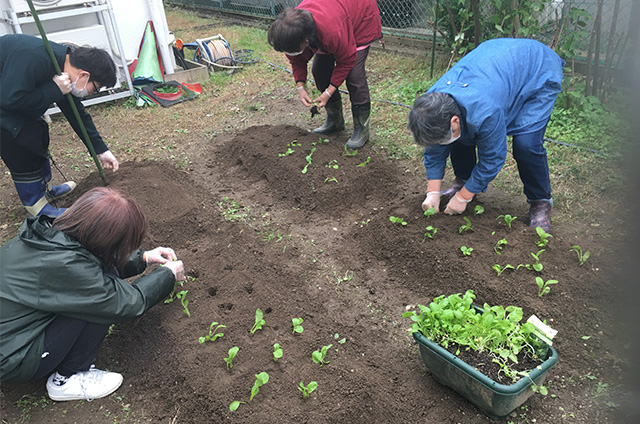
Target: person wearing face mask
[337, 35]
[28, 87]
[502, 87]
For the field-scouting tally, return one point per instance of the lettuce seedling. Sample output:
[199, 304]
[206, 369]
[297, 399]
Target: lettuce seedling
[499, 245]
[306, 391]
[308, 159]
[465, 227]
[213, 334]
[497, 268]
[297, 325]
[347, 153]
[430, 232]
[430, 212]
[333, 164]
[287, 153]
[259, 321]
[544, 237]
[397, 220]
[182, 295]
[508, 219]
[466, 251]
[319, 355]
[582, 257]
[366, 161]
[537, 266]
[478, 210]
[331, 180]
[235, 405]
[232, 354]
[261, 379]
[543, 286]
[277, 352]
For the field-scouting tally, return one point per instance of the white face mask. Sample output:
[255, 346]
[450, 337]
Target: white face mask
[79, 92]
[450, 140]
[295, 54]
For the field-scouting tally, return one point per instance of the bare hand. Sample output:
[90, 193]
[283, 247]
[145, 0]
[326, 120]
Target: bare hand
[63, 82]
[304, 97]
[108, 160]
[322, 100]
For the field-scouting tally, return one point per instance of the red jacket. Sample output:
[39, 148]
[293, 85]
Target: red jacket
[342, 25]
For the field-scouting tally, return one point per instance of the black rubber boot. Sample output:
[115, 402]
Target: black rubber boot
[361, 114]
[335, 119]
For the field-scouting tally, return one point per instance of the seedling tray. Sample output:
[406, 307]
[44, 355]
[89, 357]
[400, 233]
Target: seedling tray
[494, 399]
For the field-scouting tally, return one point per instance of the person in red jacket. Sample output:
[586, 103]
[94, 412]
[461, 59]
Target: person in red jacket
[337, 35]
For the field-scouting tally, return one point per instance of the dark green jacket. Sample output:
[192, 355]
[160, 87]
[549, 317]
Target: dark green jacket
[45, 273]
[27, 88]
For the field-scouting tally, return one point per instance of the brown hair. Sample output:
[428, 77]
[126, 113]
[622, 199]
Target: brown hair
[290, 29]
[107, 223]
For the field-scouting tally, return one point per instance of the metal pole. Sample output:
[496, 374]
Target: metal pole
[69, 96]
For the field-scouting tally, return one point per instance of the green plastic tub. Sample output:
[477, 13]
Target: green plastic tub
[494, 399]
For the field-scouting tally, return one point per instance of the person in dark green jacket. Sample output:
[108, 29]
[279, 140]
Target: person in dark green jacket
[28, 87]
[62, 286]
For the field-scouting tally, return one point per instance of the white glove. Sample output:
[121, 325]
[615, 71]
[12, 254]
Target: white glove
[159, 255]
[108, 160]
[456, 205]
[63, 82]
[177, 267]
[432, 201]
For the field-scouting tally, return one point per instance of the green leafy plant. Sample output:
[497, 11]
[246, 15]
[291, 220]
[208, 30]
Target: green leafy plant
[297, 325]
[259, 322]
[232, 354]
[508, 219]
[544, 237]
[537, 266]
[543, 286]
[347, 153]
[466, 226]
[497, 268]
[478, 210]
[235, 405]
[430, 232]
[172, 295]
[466, 251]
[308, 159]
[499, 246]
[430, 212]
[582, 257]
[261, 379]
[287, 153]
[213, 333]
[366, 161]
[397, 220]
[319, 355]
[331, 180]
[182, 296]
[277, 351]
[308, 389]
[333, 164]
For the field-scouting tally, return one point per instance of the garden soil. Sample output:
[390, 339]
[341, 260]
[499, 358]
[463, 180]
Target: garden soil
[255, 231]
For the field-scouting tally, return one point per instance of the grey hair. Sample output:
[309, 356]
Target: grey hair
[430, 117]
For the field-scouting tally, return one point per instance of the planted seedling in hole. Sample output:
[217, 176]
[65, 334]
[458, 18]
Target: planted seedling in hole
[508, 219]
[499, 245]
[297, 325]
[465, 227]
[430, 212]
[213, 333]
[466, 251]
[537, 266]
[346, 152]
[287, 153]
[582, 257]
[543, 286]
[397, 220]
[182, 295]
[277, 352]
[232, 354]
[544, 237]
[308, 159]
[367, 160]
[497, 268]
[259, 321]
[331, 180]
[319, 355]
[342, 340]
[235, 404]
[261, 379]
[320, 141]
[308, 389]
[333, 164]
[478, 210]
[430, 232]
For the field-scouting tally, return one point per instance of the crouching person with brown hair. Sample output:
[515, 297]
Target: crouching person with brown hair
[61, 287]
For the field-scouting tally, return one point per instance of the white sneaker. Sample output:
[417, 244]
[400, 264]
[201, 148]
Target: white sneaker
[87, 385]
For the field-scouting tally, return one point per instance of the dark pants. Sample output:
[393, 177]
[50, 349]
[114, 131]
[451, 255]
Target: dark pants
[530, 156]
[28, 152]
[70, 345]
[322, 69]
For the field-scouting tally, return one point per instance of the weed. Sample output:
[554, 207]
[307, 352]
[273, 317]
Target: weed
[544, 237]
[543, 286]
[319, 355]
[308, 389]
[582, 257]
[466, 251]
[508, 219]
[397, 220]
[497, 268]
[297, 325]
[232, 354]
[261, 379]
[213, 333]
[259, 322]
[430, 232]
[277, 352]
[465, 227]
[499, 245]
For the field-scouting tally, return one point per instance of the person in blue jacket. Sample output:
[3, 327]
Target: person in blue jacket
[502, 87]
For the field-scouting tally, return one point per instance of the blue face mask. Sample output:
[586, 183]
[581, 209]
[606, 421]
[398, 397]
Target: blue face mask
[79, 92]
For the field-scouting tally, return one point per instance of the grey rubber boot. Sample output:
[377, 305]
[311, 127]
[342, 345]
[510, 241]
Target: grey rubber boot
[335, 118]
[361, 114]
